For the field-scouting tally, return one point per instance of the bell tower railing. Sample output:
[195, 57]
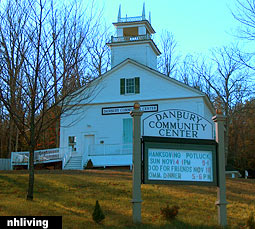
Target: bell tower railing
[131, 19]
[131, 38]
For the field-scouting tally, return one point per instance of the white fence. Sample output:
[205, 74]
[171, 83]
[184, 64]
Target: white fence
[5, 164]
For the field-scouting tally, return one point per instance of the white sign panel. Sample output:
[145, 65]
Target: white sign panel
[127, 109]
[180, 165]
[177, 124]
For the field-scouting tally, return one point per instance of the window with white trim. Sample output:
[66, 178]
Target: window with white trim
[130, 86]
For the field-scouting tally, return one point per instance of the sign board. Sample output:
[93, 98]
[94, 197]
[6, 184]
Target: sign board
[176, 123]
[185, 161]
[127, 109]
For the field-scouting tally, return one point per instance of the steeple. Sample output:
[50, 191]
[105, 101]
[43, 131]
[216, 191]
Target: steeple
[119, 14]
[143, 13]
[134, 40]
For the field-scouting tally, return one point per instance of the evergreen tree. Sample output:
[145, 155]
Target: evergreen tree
[98, 214]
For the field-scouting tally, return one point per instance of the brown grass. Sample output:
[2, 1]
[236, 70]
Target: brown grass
[73, 194]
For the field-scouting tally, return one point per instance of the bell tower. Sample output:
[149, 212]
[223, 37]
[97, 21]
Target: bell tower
[134, 40]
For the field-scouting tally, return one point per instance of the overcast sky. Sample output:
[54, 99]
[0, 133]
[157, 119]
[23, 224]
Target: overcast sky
[198, 25]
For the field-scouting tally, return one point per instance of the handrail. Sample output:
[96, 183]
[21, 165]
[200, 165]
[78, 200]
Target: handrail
[109, 149]
[83, 159]
[131, 38]
[66, 157]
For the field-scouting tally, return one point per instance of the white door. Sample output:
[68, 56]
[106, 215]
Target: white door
[127, 134]
[89, 140]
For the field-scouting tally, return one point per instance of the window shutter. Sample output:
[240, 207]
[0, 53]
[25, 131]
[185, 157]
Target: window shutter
[122, 86]
[137, 85]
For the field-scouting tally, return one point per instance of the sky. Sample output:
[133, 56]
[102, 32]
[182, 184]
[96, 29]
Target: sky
[197, 25]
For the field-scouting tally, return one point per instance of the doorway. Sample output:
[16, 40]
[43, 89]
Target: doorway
[89, 141]
[127, 131]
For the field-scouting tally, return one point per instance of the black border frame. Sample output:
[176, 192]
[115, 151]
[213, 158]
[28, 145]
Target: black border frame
[179, 143]
[126, 107]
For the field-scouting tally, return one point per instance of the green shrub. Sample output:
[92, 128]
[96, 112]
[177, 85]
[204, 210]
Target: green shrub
[89, 165]
[98, 214]
[250, 221]
[169, 213]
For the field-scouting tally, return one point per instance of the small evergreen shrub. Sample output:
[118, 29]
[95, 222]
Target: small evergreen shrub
[89, 165]
[98, 214]
[250, 221]
[169, 213]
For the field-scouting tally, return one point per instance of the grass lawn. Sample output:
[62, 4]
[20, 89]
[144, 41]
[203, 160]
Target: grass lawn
[73, 194]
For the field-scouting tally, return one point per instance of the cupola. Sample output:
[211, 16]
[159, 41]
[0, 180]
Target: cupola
[134, 40]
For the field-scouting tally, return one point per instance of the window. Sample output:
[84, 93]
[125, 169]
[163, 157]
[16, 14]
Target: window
[130, 86]
[72, 142]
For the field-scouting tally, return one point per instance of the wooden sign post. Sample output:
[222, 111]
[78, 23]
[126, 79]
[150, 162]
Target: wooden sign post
[221, 202]
[179, 160]
[137, 160]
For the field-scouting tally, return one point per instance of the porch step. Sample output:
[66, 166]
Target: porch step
[75, 163]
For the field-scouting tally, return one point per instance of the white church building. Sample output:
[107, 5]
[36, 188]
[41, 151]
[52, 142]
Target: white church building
[102, 132]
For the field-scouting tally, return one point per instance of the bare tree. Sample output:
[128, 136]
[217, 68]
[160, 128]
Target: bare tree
[12, 44]
[188, 74]
[48, 53]
[228, 78]
[67, 55]
[3, 132]
[244, 13]
[98, 57]
[168, 61]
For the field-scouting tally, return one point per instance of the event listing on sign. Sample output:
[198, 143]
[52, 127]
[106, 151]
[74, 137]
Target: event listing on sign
[180, 165]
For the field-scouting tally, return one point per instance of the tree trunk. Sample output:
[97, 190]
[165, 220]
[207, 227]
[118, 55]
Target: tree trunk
[17, 140]
[30, 191]
[10, 139]
[226, 141]
[1, 139]
[2, 142]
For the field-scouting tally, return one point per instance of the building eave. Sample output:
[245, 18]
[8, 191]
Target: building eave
[125, 43]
